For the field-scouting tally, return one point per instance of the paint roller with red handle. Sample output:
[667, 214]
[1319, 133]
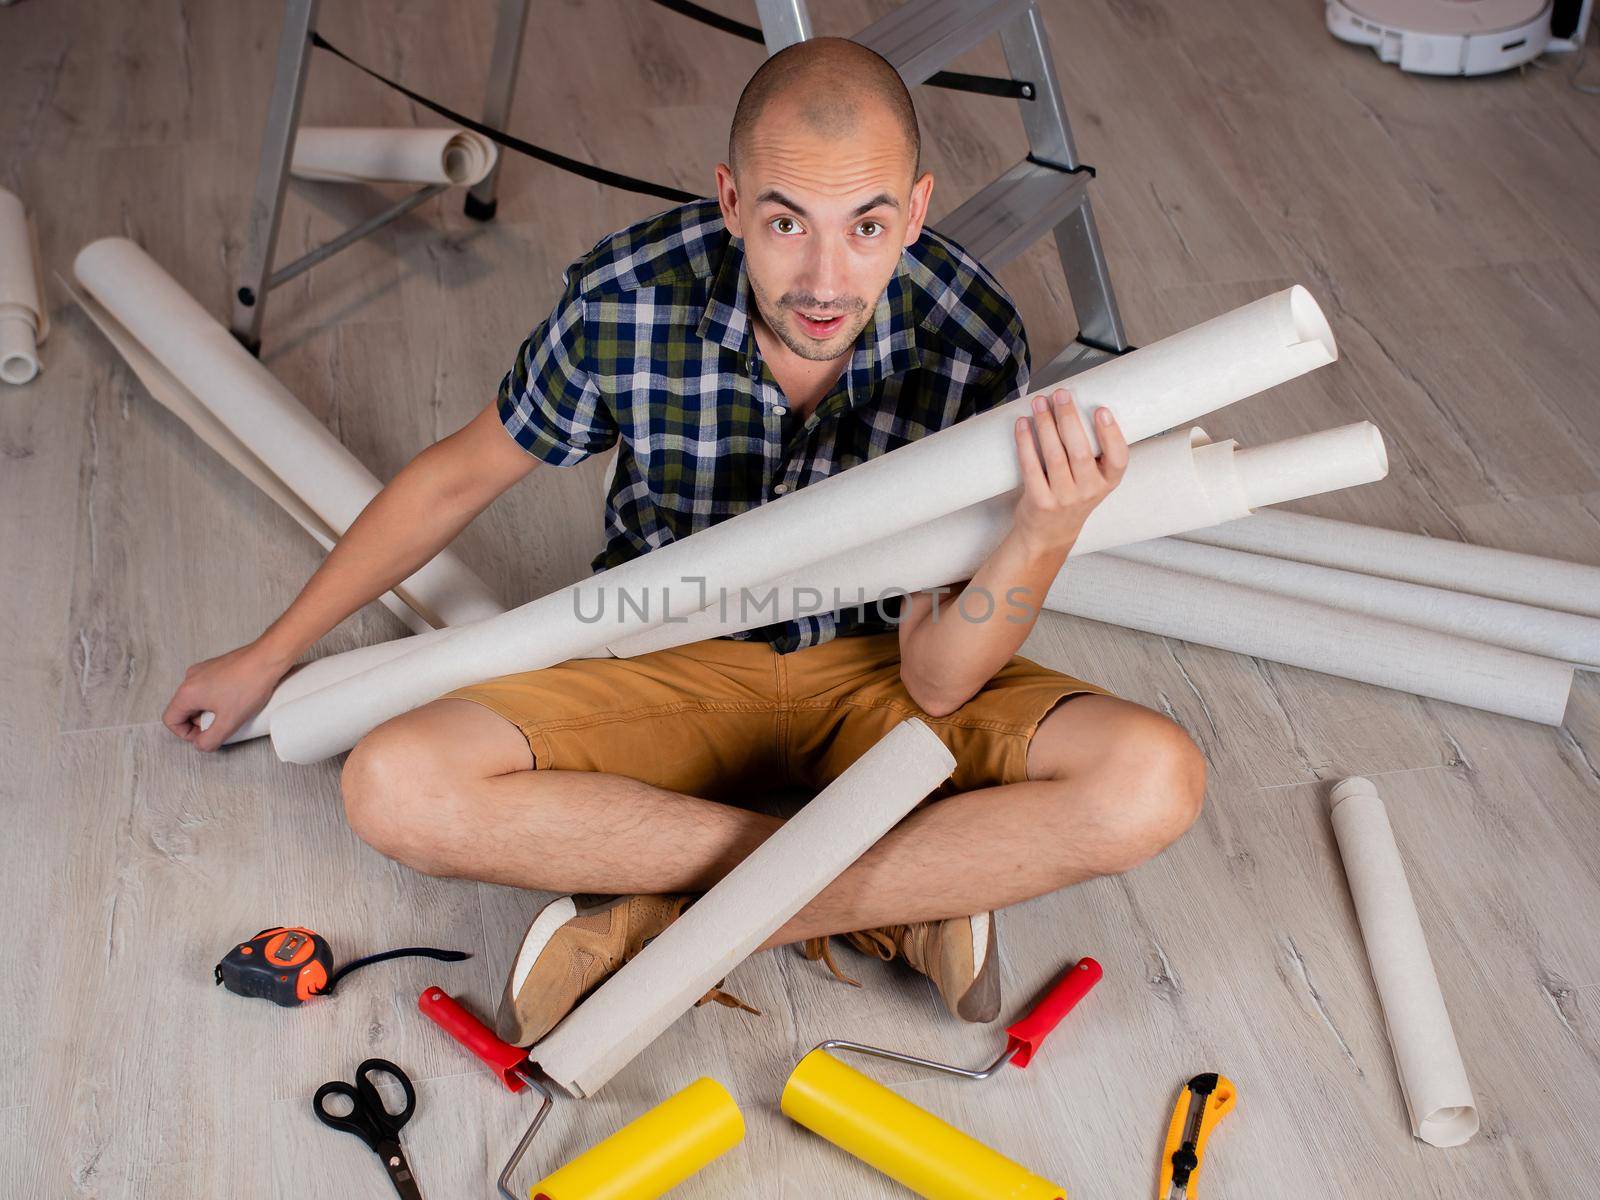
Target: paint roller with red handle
[909, 1144]
[1027, 1033]
[1023, 1037]
[510, 1063]
[644, 1159]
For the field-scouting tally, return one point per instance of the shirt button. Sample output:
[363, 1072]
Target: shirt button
[779, 410]
[780, 488]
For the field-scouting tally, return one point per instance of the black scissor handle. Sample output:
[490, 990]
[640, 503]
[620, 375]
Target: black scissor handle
[369, 1118]
[391, 1121]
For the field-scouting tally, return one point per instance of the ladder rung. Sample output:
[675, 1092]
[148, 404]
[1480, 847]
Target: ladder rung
[1014, 211]
[922, 37]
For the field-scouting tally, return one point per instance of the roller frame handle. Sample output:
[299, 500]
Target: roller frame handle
[509, 1062]
[1027, 1034]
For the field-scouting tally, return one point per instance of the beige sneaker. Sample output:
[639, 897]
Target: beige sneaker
[961, 956]
[573, 945]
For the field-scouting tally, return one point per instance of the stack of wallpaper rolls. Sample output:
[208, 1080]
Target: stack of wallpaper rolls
[918, 516]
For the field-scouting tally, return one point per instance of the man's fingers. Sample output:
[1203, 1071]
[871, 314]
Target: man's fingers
[1055, 454]
[1033, 480]
[1113, 446]
[1080, 455]
[179, 717]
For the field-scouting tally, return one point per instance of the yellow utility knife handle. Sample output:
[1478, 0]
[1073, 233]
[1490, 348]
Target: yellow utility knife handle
[1189, 1130]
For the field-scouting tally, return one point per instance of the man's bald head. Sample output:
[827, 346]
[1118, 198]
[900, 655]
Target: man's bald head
[827, 85]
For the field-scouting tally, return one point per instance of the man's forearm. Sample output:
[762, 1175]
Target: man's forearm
[417, 514]
[969, 636]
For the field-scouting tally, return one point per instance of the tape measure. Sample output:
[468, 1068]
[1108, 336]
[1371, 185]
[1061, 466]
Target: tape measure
[289, 965]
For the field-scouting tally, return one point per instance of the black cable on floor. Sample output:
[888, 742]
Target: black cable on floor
[599, 174]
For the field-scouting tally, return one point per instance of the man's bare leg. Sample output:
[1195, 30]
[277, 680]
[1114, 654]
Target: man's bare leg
[448, 790]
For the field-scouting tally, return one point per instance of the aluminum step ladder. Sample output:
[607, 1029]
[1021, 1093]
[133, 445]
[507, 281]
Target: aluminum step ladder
[1046, 192]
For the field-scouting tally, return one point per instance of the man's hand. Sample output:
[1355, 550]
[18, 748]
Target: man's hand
[235, 686]
[1059, 494]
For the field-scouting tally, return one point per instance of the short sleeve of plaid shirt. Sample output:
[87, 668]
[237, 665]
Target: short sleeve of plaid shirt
[548, 400]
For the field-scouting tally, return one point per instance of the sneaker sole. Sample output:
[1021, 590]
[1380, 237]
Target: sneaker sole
[549, 921]
[980, 1003]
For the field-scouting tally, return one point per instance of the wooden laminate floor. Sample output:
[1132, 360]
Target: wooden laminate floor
[1451, 230]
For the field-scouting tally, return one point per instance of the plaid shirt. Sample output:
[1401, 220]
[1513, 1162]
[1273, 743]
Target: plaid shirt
[651, 346]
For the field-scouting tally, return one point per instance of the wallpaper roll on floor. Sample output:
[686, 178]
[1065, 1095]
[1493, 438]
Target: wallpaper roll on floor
[24, 316]
[746, 907]
[1103, 587]
[261, 415]
[1559, 635]
[179, 401]
[454, 156]
[1150, 389]
[1173, 482]
[1504, 574]
[1432, 1075]
[320, 672]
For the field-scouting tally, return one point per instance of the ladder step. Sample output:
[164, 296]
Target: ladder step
[1014, 211]
[923, 37]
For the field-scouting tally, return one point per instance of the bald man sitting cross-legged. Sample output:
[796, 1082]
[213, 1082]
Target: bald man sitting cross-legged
[734, 350]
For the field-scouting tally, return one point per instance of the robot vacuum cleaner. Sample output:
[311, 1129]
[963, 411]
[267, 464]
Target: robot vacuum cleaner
[1459, 37]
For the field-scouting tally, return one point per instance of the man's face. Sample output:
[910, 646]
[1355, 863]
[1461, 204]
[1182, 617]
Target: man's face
[824, 221]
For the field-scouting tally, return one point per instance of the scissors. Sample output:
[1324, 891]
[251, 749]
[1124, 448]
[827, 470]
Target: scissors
[371, 1121]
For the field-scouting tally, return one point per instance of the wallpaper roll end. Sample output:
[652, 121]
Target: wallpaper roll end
[1356, 785]
[1309, 321]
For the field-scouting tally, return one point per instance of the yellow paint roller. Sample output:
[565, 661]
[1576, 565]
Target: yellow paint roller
[644, 1159]
[654, 1153]
[909, 1144]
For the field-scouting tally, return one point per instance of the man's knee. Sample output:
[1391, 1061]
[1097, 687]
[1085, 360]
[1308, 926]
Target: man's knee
[409, 784]
[394, 798]
[1137, 779]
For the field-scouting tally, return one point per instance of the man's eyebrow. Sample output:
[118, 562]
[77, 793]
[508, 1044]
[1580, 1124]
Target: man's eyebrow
[773, 196]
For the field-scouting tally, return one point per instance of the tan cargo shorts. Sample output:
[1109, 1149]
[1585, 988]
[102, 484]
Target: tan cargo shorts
[724, 718]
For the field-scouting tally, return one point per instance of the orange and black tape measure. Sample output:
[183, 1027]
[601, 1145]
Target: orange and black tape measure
[289, 965]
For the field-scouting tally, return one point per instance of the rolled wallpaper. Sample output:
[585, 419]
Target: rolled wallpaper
[24, 316]
[269, 432]
[746, 907]
[1504, 574]
[1149, 390]
[454, 156]
[1432, 1075]
[1542, 631]
[179, 401]
[1208, 612]
[1173, 482]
